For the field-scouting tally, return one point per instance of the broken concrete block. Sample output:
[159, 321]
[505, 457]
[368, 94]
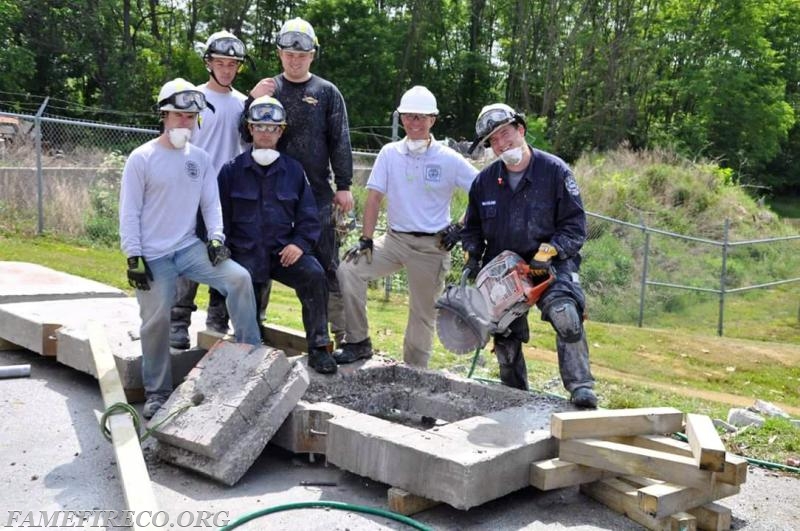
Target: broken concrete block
[768, 409]
[743, 417]
[232, 381]
[26, 282]
[238, 458]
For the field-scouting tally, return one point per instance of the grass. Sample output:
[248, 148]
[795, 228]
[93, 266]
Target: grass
[685, 365]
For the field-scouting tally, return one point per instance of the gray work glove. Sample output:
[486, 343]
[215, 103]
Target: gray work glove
[217, 252]
[472, 265]
[450, 236]
[139, 273]
[363, 247]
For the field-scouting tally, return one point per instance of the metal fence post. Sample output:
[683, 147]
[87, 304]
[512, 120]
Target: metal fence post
[644, 273]
[395, 126]
[723, 277]
[39, 175]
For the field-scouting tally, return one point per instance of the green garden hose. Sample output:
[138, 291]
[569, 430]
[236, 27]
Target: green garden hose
[327, 505]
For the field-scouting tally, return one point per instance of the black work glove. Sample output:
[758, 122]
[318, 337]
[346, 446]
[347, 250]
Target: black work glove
[450, 236]
[471, 264]
[217, 252]
[540, 265]
[363, 247]
[139, 273]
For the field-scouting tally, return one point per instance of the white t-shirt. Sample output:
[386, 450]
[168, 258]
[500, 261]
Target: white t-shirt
[161, 191]
[419, 188]
[218, 132]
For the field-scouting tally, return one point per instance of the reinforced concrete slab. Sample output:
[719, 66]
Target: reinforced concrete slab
[26, 282]
[368, 420]
[243, 396]
[58, 328]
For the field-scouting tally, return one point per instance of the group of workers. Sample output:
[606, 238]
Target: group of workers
[239, 190]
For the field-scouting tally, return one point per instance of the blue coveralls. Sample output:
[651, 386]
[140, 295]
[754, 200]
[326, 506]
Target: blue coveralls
[263, 210]
[546, 207]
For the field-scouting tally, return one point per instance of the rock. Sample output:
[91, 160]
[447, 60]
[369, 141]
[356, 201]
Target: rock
[719, 423]
[768, 409]
[744, 417]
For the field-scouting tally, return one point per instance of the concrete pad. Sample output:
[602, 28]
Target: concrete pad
[232, 381]
[58, 328]
[240, 455]
[25, 282]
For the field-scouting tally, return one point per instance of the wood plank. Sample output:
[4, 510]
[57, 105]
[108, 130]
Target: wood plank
[621, 497]
[132, 469]
[292, 342]
[713, 517]
[555, 474]
[405, 503]
[735, 472]
[8, 345]
[49, 341]
[707, 447]
[608, 423]
[208, 338]
[626, 459]
[662, 499]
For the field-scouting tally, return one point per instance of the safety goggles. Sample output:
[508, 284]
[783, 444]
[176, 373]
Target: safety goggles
[266, 113]
[491, 120]
[186, 100]
[296, 40]
[228, 47]
[415, 117]
[266, 128]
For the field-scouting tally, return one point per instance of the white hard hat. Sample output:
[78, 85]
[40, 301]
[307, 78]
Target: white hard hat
[180, 95]
[418, 100]
[491, 118]
[226, 45]
[298, 35]
[266, 110]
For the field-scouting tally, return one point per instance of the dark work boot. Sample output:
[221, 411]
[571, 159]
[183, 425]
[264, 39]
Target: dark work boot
[179, 335]
[584, 397]
[351, 352]
[321, 361]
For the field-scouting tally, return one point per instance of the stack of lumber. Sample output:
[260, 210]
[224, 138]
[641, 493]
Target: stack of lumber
[626, 460]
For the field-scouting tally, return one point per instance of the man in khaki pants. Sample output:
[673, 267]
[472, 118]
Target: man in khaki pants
[418, 176]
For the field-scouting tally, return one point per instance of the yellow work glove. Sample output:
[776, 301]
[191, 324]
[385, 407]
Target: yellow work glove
[540, 265]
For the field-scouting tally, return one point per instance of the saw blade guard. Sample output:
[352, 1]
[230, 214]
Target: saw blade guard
[462, 322]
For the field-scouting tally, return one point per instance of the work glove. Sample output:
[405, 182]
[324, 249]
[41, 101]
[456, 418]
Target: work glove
[217, 252]
[471, 264]
[540, 265]
[450, 236]
[363, 247]
[139, 273]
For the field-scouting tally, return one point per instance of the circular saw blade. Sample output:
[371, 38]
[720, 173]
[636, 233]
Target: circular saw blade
[455, 333]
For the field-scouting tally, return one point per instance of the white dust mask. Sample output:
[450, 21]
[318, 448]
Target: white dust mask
[265, 157]
[417, 147]
[513, 156]
[179, 136]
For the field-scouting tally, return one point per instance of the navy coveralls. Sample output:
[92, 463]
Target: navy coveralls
[546, 207]
[263, 210]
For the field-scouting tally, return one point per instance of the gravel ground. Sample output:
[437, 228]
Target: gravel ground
[53, 457]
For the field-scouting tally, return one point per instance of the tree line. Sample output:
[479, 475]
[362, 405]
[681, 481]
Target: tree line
[708, 78]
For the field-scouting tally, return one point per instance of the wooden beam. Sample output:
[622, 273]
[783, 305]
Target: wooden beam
[130, 462]
[707, 447]
[632, 460]
[608, 423]
[621, 497]
[405, 503]
[49, 339]
[8, 345]
[662, 499]
[292, 342]
[735, 472]
[712, 517]
[554, 474]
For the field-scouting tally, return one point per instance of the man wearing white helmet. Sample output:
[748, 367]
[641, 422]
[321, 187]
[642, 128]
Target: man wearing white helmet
[418, 177]
[318, 135]
[528, 202]
[271, 224]
[164, 183]
[218, 134]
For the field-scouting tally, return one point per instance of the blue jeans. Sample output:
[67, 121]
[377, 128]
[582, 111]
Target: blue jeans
[229, 278]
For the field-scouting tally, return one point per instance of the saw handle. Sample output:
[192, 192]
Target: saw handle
[541, 283]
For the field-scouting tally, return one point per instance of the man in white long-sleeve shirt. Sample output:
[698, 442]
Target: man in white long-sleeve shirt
[164, 183]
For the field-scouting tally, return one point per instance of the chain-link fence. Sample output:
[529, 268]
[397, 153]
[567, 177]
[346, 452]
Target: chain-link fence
[62, 176]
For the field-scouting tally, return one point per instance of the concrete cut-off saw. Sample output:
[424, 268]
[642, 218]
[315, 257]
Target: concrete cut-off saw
[467, 316]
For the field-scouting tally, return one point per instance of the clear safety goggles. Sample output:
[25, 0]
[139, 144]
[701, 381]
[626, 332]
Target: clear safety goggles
[296, 40]
[491, 120]
[266, 113]
[227, 46]
[266, 128]
[186, 100]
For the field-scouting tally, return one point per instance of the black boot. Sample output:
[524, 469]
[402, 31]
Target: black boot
[321, 360]
[351, 352]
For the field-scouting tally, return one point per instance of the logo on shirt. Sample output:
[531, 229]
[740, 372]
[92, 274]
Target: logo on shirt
[311, 100]
[433, 173]
[488, 203]
[572, 185]
[192, 170]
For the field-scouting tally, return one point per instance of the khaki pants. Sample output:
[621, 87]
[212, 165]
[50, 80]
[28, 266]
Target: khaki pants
[426, 266]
